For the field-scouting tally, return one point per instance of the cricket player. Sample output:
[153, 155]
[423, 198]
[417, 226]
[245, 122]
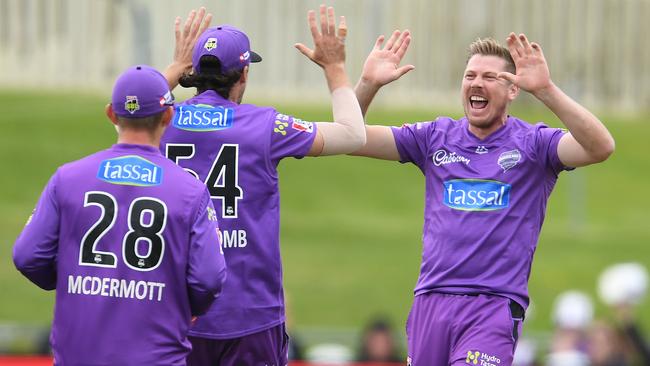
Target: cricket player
[128, 240]
[235, 149]
[488, 177]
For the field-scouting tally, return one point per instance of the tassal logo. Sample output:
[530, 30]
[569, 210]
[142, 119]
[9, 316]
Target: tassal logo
[476, 194]
[203, 117]
[130, 170]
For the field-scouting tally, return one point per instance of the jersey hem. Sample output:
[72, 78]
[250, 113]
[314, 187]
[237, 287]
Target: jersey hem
[239, 334]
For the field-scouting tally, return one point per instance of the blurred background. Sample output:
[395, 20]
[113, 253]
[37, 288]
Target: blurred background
[351, 227]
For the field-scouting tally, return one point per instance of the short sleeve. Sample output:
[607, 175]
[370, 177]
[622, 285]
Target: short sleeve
[206, 264]
[412, 142]
[290, 137]
[547, 140]
[36, 248]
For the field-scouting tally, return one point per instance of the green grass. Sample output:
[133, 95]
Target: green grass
[351, 227]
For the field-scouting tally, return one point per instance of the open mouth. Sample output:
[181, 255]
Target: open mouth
[478, 102]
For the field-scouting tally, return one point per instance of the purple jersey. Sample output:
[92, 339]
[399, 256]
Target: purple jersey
[129, 241]
[235, 150]
[485, 202]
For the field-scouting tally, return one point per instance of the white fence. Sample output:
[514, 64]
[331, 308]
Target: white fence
[597, 49]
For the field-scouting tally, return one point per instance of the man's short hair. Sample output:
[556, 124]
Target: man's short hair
[490, 47]
[149, 123]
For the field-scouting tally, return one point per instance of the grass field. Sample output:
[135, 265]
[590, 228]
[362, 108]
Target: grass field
[351, 226]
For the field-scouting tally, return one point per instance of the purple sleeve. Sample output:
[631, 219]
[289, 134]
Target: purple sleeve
[36, 248]
[206, 268]
[412, 142]
[290, 137]
[546, 147]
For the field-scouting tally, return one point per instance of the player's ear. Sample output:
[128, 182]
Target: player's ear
[111, 114]
[513, 91]
[244, 75]
[168, 114]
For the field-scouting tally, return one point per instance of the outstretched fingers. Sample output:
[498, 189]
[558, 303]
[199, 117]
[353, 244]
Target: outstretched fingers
[391, 41]
[304, 50]
[331, 22]
[323, 20]
[311, 20]
[404, 44]
[343, 28]
[188, 22]
[528, 50]
[514, 46]
[379, 42]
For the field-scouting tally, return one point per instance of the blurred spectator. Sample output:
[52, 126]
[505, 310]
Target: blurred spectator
[622, 286]
[605, 346]
[378, 343]
[572, 315]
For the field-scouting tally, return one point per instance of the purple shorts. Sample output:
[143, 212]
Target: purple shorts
[265, 348]
[447, 329]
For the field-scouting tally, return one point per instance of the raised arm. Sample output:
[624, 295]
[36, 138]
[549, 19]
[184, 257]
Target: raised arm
[195, 24]
[381, 68]
[347, 133]
[588, 140]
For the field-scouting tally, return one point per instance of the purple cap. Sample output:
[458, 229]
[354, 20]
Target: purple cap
[230, 45]
[141, 91]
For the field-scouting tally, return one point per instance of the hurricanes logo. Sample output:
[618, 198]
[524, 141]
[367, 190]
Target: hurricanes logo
[280, 127]
[131, 105]
[210, 44]
[472, 357]
[212, 214]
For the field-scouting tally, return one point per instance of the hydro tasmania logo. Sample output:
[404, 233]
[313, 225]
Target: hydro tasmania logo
[481, 358]
[476, 194]
[203, 118]
[130, 170]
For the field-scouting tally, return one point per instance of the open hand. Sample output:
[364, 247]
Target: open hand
[382, 65]
[532, 74]
[329, 43]
[195, 24]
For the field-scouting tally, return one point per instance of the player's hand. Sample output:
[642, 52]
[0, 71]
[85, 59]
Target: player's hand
[382, 65]
[532, 75]
[195, 24]
[329, 42]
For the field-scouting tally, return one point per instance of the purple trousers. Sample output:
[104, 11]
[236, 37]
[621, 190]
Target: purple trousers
[265, 348]
[448, 329]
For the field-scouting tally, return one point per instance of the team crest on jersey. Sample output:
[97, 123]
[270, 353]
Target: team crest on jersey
[210, 44]
[131, 105]
[509, 159]
[130, 170]
[203, 118]
[476, 194]
[481, 149]
[212, 214]
[302, 126]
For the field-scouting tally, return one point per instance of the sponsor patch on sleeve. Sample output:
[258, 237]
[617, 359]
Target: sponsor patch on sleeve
[302, 126]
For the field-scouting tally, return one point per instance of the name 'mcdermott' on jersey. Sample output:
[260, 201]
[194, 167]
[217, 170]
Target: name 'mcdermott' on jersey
[235, 150]
[485, 202]
[129, 241]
